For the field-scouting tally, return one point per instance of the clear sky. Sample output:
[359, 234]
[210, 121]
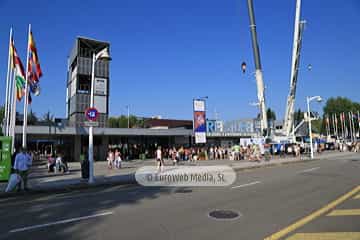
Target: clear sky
[165, 53]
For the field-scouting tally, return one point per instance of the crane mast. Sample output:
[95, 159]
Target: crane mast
[258, 71]
[298, 30]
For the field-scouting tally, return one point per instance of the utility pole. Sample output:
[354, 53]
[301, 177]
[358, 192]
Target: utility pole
[258, 71]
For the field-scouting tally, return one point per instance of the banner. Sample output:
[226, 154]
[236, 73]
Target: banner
[199, 121]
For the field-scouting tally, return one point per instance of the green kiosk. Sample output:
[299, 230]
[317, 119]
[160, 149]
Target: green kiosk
[5, 158]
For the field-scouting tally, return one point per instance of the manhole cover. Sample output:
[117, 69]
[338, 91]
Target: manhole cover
[224, 214]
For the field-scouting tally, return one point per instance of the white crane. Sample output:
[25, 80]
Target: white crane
[289, 113]
[258, 71]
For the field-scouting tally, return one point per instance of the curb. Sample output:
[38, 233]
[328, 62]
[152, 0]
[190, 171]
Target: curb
[132, 181]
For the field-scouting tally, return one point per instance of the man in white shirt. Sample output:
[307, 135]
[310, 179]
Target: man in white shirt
[23, 162]
[159, 159]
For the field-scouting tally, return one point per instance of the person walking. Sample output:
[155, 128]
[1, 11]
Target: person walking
[159, 159]
[110, 158]
[118, 159]
[23, 162]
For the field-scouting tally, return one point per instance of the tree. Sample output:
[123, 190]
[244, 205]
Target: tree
[271, 117]
[122, 122]
[113, 122]
[2, 115]
[339, 105]
[48, 117]
[32, 118]
[298, 116]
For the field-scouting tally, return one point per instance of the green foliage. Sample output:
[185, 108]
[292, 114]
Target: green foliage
[298, 116]
[339, 105]
[271, 116]
[113, 122]
[122, 122]
[2, 115]
[32, 118]
[48, 117]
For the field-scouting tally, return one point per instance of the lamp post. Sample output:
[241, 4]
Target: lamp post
[308, 100]
[128, 116]
[102, 55]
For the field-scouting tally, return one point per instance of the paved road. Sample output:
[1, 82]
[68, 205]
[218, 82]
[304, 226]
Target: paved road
[269, 200]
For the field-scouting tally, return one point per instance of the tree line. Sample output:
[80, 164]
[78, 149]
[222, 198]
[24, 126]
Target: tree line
[334, 105]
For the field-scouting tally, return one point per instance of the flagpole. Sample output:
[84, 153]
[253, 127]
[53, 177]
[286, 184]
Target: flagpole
[353, 126]
[345, 126]
[6, 118]
[342, 125]
[351, 129]
[336, 127]
[358, 119]
[333, 123]
[13, 113]
[26, 100]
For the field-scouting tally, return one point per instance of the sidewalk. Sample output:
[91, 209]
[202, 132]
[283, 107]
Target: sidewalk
[40, 181]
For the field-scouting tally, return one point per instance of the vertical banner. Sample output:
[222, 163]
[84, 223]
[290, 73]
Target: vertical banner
[199, 121]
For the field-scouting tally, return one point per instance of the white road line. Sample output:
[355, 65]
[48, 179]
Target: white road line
[309, 170]
[245, 185]
[60, 222]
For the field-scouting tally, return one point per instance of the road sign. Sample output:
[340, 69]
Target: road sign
[91, 114]
[91, 124]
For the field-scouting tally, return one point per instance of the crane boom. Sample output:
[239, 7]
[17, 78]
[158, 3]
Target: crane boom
[258, 71]
[298, 30]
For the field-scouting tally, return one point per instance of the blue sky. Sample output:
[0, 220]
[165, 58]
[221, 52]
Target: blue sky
[165, 53]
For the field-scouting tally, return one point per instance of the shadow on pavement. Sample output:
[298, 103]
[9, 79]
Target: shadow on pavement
[44, 208]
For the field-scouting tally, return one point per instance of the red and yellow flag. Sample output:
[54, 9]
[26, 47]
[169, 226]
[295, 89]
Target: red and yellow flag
[19, 72]
[34, 72]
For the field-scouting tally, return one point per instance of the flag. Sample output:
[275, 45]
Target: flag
[34, 72]
[19, 71]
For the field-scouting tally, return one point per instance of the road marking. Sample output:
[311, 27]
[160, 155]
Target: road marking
[247, 184]
[313, 215]
[326, 236]
[345, 212]
[309, 170]
[357, 196]
[60, 222]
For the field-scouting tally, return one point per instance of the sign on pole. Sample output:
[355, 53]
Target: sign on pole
[91, 124]
[199, 121]
[91, 114]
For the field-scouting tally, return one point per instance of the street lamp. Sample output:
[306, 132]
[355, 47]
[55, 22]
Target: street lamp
[102, 55]
[128, 116]
[308, 100]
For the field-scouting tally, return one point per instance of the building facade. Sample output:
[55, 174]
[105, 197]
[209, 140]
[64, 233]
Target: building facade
[79, 82]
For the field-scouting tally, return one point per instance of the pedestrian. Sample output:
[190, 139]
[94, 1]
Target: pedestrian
[118, 159]
[174, 156]
[61, 164]
[282, 150]
[159, 159]
[22, 165]
[110, 158]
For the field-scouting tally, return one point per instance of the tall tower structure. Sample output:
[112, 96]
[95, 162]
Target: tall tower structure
[258, 70]
[79, 82]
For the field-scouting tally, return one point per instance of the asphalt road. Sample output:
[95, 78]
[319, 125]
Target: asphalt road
[268, 200]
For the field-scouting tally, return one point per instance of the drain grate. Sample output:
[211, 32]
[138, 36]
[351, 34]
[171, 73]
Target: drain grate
[224, 214]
